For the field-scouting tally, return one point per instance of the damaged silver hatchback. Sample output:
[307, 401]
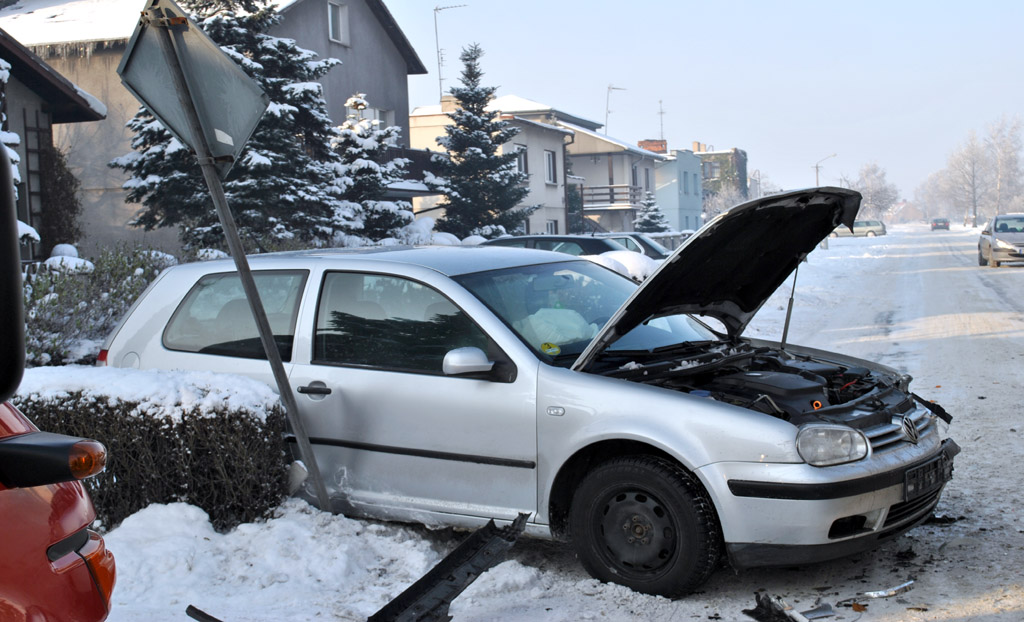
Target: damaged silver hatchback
[449, 386]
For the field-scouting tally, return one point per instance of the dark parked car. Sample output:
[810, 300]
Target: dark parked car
[570, 244]
[52, 566]
[1002, 240]
[940, 223]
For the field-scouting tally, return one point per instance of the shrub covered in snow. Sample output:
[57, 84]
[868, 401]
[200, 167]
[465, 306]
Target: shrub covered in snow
[211, 440]
[73, 301]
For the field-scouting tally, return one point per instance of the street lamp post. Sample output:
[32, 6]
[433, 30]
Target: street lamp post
[817, 168]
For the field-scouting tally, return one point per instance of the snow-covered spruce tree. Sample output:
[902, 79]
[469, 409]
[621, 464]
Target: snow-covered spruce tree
[362, 146]
[285, 185]
[650, 219]
[482, 187]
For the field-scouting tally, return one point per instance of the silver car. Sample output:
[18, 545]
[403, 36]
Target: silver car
[1002, 240]
[450, 385]
[860, 228]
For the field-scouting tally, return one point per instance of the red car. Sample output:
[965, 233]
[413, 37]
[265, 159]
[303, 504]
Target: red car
[53, 568]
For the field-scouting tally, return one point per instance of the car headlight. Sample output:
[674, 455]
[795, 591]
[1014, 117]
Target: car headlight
[1005, 245]
[825, 445]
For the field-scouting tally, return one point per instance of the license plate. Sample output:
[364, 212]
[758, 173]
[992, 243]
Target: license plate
[927, 477]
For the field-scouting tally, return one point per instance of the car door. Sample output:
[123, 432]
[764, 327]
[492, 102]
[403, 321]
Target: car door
[394, 436]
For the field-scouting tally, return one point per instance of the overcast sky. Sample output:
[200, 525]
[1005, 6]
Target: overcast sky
[897, 83]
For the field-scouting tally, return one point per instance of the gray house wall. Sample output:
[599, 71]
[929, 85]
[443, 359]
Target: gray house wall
[90, 147]
[368, 65]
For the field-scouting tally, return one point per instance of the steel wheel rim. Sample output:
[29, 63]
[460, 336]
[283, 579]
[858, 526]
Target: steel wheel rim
[637, 532]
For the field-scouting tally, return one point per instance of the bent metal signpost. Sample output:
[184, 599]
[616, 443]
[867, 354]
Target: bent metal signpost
[208, 103]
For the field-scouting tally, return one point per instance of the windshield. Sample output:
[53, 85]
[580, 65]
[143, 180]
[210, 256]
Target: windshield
[557, 308]
[655, 245]
[1009, 224]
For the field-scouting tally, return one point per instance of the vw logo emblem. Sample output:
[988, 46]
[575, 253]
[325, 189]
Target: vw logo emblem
[910, 430]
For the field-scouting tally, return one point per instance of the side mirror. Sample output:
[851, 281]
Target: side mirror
[986, 232]
[461, 361]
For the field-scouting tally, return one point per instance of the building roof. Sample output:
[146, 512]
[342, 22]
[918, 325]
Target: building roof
[46, 22]
[67, 103]
[614, 143]
[519, 106]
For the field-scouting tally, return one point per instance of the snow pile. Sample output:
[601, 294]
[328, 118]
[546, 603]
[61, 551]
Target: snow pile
[159, 393]
[302, 564]
[73, 265]
[27, 231]
[64, 250]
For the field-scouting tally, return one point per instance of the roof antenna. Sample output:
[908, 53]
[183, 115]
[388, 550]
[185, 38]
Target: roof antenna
[789, 309]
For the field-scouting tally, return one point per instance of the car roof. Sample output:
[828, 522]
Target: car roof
[447, 260]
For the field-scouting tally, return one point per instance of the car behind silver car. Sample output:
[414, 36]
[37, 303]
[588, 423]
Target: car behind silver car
[450, 385]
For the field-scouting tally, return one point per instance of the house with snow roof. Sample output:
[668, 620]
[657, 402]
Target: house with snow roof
[35, 100]
[612, 175]
[85, 39]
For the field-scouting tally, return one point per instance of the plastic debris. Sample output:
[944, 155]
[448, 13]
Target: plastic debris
[773, 609]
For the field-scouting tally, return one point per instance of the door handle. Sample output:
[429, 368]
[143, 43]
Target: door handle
[314, 390]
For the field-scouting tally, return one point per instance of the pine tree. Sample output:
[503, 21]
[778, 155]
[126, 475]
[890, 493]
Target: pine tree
[285, 185]
[362, 146]
[650, 219]
[482, 187]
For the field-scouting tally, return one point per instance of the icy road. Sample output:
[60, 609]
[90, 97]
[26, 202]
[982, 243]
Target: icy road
[915, 299]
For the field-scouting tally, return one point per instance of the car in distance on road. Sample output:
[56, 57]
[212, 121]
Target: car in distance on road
[570, 244]
[451, 385]
[940, 223]
[860, 228]
[639, 242]
[1002, 240]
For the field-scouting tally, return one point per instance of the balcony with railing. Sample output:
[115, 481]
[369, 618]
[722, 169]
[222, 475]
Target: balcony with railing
[614, 197]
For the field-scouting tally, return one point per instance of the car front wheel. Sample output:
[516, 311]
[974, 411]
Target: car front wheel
[646, 523]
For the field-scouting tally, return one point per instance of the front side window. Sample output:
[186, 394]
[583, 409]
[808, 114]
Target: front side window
[388, 322]
[337, 22]
[214, 317]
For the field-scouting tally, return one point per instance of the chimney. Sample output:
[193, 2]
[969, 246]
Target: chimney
[697, 147]
[657, 146]
[448, 103]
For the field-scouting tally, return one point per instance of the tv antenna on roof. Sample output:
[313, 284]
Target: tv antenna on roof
[437, 45]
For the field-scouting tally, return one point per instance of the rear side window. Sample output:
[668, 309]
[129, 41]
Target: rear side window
[390, 323]
[560, 246]
[214, 318]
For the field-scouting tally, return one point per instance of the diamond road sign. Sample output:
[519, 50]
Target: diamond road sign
[229, 104]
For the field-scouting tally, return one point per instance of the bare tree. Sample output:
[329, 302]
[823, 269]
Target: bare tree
[722, 201]
[879, 195]
[934, 196]
[968, 174]
[1003, 146]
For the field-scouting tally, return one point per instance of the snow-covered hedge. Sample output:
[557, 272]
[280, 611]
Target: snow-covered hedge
[211, 440]
[71, 301]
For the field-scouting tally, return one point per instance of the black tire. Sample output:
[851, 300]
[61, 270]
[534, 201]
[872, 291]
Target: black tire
[981, 258]
[646, 523]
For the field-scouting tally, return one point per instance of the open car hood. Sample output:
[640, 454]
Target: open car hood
[734, 263]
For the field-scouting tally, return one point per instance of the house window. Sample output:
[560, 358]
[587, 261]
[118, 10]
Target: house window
[634, 177]
[337, 22]
[712, 170]
[551, 227]
[647, 179]
[549, 167]
[522, 166]
[686, 183]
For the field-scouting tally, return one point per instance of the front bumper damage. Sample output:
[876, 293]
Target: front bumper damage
[813, 522]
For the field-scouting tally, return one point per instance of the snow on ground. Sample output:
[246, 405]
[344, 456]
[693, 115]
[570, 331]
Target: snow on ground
[914, 299]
